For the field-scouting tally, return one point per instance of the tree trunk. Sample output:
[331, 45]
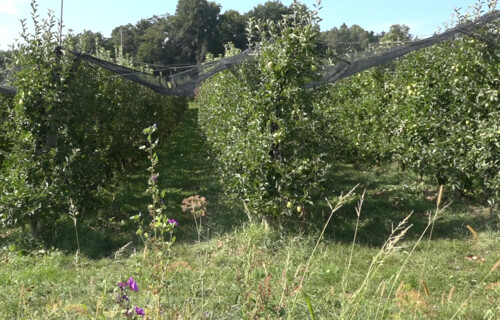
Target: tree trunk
[36, 227]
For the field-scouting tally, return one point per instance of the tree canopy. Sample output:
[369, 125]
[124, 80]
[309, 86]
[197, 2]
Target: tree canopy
[199, 27]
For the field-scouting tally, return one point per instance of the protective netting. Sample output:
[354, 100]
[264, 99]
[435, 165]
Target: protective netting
[179, 84]
[185, 83]
[7, 89]
[345, 68]
[5, 76]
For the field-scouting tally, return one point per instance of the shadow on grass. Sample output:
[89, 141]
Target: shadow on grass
[188, 170]
[390, 196]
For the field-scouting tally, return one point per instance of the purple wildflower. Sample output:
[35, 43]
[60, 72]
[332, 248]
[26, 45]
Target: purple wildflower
[154, 178]
[173, 222]
[155, 125]
[139, 311]
[122, 285]
[132, 284]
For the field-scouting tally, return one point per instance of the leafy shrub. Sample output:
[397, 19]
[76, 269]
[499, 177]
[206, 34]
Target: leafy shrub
[33, 175]
[69, 129]
[260, 120]
[434, 111]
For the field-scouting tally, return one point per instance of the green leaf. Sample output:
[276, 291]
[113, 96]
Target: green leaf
[309, 305]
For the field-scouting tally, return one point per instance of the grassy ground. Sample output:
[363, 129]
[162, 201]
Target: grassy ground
[240, 270]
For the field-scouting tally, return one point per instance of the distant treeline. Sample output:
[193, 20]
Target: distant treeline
[199, 27]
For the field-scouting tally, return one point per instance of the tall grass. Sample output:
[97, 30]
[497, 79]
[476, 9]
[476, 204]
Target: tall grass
[259, 273]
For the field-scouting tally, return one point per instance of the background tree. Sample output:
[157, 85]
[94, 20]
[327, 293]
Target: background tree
[125, 36]
[88, 42]
[398, 33]
[196, 30]
[269, 11]
[348, 39]
[232, 29]
[152, 47]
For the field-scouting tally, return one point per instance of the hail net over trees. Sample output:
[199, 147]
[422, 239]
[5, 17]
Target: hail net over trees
[185, 83]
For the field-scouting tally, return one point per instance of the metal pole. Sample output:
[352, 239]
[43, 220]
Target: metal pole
[61, 23]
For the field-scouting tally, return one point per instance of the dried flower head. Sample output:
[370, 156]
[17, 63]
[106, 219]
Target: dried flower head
[196, 205]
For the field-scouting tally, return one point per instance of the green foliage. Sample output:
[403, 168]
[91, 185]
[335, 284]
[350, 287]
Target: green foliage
[232, 29]
[108, 117]
[452, 112]
[160, 224]
[348, 39]
[435, 111]
[398, 34]
[260, 120]
[272, 10]
[70, 128]
[89, 42]
[196, 29]
[33, 173]
[356, 118]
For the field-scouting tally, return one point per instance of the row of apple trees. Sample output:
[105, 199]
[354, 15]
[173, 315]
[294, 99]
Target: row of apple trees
[260, 120]
[435, 112]
[70, 129]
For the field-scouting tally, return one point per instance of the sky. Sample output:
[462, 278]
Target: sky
[424, 17]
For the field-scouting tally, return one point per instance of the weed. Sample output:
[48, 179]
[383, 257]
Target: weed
[124, 301]
[197, 206]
